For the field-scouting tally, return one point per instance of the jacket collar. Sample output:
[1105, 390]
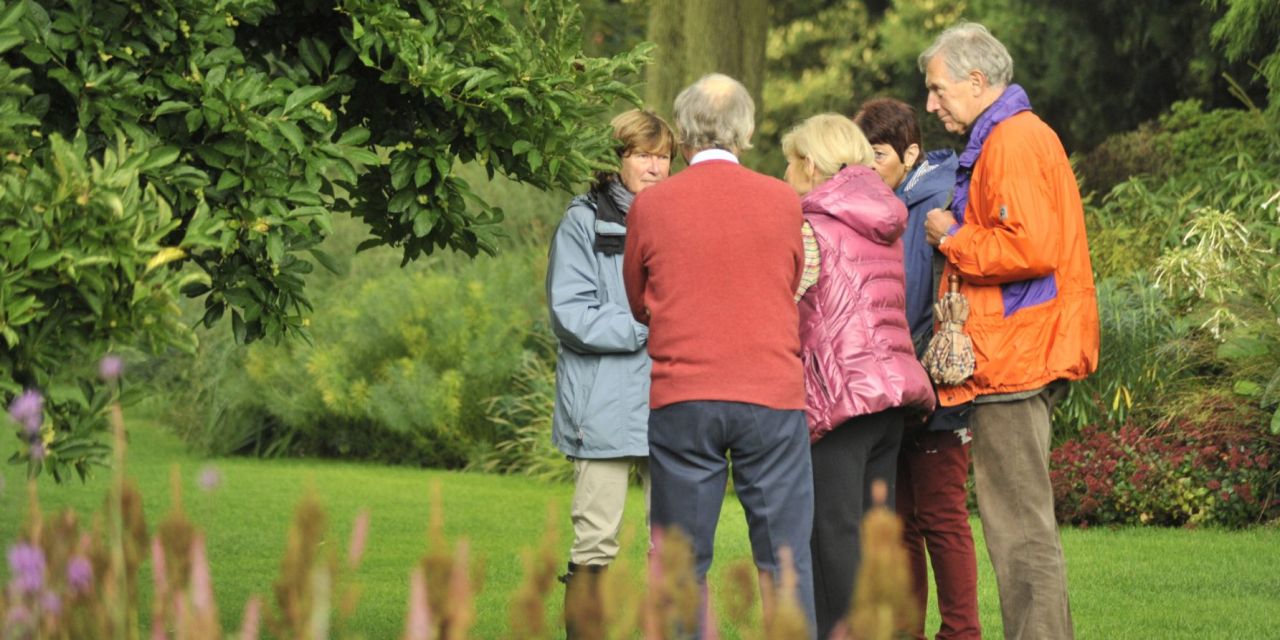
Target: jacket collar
[1010, 103]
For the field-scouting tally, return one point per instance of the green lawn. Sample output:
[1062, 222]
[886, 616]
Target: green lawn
[1131, 583]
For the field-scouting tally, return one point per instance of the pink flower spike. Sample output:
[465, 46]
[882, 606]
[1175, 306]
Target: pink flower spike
[359, 536]
[159, 616]
[418, 625]
[111, 367]
[28, 411]
[252, 618]
[201, 583]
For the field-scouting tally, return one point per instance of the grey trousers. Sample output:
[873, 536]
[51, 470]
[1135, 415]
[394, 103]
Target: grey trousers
[1015, 501]
[690, 445]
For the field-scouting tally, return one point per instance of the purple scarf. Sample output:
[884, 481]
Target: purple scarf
[1024, 293]
[1010, 103]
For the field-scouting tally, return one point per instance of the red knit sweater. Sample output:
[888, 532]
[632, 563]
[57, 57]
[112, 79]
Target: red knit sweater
[713, 256]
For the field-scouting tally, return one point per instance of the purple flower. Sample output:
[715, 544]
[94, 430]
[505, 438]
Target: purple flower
[26, 565]
[111, 367]
[210, 478]
[28, 411]
[51, 603]
[79, 574]
[37, 451]
[18, 617]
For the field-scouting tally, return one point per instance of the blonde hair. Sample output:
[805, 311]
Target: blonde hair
[830, 141]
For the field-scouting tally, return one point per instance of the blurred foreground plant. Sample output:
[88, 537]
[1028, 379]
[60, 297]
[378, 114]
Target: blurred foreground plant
[67, 580]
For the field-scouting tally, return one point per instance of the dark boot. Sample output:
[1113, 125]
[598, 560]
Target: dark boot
[583, 611]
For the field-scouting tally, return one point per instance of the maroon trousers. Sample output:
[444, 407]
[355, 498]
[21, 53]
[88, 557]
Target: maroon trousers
[932, 469]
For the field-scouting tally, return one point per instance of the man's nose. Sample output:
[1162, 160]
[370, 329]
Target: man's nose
[931, 104]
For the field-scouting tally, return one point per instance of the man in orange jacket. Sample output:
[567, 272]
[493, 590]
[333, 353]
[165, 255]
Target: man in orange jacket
[1015, 235]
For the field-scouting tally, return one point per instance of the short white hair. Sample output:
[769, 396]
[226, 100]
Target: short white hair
[969, 46]
[715, 112]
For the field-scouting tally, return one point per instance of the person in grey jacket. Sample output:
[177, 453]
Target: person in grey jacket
[601, 415]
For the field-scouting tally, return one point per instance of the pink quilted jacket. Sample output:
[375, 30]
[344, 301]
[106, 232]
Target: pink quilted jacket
[854, 338]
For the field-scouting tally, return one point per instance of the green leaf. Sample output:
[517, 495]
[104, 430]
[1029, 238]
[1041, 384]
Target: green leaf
[43, 259]
[303, 95]
[237, 326]
[160, 157]
[228, 180]
[1247, 388]
[291, 131]
[1275, 422]
[8, 42]
[422, 175]
[354, 136]
[275, 247]
[328, 262]
[171, 106]
[12, 14]
[521, 146]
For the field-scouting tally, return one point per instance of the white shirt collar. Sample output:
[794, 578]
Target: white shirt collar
[712, 154]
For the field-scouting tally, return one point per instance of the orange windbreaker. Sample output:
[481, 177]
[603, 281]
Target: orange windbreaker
[1024, 220]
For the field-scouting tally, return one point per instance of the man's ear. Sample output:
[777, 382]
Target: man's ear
[910, 156]
[978, 82]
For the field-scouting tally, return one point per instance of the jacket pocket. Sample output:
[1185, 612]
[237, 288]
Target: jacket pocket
[818, 380]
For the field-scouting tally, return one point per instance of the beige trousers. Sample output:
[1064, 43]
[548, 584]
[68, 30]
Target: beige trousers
[599, 495]
[1015, 501]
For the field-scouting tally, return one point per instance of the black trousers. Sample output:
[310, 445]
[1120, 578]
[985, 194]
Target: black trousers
[845, 463]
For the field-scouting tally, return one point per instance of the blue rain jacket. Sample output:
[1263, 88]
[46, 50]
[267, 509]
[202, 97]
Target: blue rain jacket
[602, 369]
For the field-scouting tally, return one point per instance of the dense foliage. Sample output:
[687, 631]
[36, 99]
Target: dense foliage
[1181, 423]
[402, 362]
[163, 145]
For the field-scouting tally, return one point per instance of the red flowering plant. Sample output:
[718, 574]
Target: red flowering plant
[1186, 471]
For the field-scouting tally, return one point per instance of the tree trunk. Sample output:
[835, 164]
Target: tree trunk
[701, 36]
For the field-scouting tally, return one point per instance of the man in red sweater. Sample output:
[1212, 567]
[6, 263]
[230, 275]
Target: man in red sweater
[712, 260]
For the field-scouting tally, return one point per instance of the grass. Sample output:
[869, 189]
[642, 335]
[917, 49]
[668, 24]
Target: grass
[1127, 583]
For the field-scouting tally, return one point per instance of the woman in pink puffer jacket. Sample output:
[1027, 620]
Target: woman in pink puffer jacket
[862, 379]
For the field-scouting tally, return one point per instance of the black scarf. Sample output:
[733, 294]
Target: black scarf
[612, 202]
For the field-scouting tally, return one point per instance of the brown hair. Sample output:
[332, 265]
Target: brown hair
[639, 130]
[892, 122]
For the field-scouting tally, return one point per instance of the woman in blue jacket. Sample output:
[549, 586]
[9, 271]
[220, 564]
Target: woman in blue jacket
[601, 416]
[933, 462]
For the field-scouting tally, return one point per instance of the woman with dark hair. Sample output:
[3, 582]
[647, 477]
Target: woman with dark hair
[601, 414]
[933, 463]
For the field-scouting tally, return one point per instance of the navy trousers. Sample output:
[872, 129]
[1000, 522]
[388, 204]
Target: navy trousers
[690, 448]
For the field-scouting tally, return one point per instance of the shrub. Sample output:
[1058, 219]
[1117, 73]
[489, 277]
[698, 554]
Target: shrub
[399, 370]
[1209, 469]
[523, 420]
[1144, 356]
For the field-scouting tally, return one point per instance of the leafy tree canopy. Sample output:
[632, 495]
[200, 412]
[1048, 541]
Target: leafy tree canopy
[160, 148]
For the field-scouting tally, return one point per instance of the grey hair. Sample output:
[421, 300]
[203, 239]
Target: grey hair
[969, 46]
[715, 112]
